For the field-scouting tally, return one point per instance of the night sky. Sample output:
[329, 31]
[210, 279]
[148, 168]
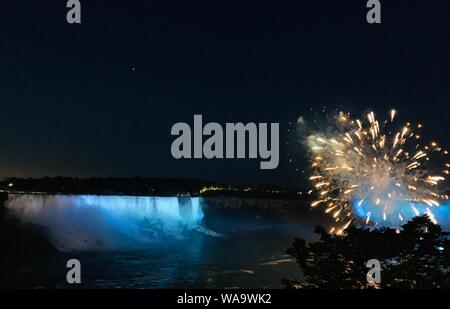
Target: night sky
[100, 98]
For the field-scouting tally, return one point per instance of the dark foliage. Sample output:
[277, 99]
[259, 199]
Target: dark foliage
[416, 256]
[140, 186]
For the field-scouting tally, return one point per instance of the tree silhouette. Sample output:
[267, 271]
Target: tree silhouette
[416, 256]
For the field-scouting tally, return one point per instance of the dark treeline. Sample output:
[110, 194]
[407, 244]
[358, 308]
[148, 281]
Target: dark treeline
[141, 186]
[95, 185]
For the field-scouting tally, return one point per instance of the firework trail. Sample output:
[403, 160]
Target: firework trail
[376, 173]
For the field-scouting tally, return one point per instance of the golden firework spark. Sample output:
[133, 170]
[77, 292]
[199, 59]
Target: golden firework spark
[382, 165]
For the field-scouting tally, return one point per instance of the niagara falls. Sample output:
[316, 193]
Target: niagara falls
[81, 222]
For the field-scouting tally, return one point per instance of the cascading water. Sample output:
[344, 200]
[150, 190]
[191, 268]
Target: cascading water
[84, 222]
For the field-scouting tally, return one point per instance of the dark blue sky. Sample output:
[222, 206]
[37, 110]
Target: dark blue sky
[71, 103]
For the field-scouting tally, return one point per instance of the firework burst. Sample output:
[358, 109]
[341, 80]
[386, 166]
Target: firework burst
[375, 173]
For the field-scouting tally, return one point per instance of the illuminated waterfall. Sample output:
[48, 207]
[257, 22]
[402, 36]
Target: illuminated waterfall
[78, 222]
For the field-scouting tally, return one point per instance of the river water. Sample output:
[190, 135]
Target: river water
[148, 242]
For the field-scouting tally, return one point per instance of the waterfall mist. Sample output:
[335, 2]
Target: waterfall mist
[87, 222]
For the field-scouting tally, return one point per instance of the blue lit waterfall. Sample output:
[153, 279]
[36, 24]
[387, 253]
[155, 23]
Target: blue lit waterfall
[79, 222]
